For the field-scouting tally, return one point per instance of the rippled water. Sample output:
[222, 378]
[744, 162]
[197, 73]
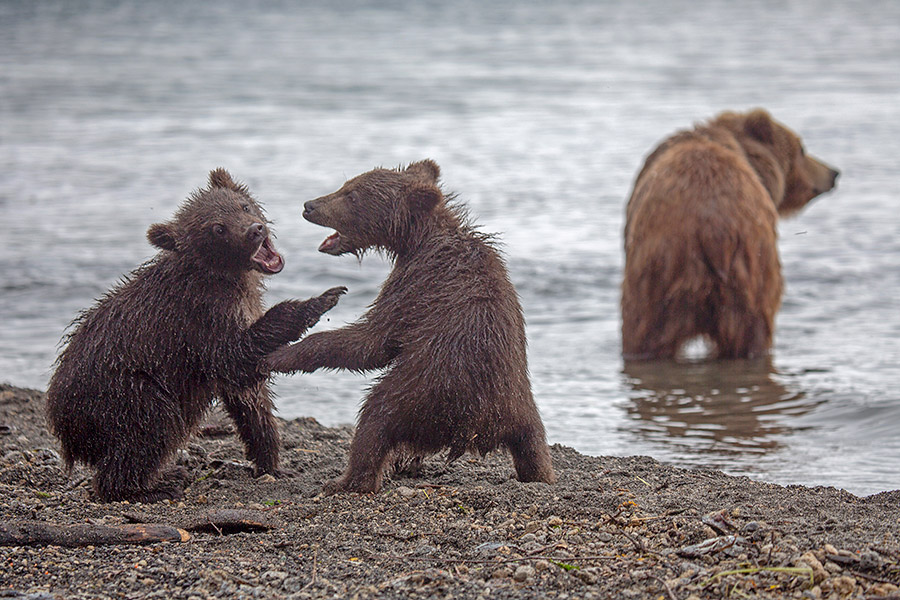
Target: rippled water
[540, 115]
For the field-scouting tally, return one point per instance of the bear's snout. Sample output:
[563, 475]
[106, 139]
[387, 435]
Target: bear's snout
[256, 232]
[309, 208]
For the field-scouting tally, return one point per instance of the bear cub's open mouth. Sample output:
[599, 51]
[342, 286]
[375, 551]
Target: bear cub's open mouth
[267, 257]
[332, 244]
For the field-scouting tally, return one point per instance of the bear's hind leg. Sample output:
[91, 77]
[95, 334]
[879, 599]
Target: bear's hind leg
[530, 454]
[373, 443]
[130, 474]
[739, 333]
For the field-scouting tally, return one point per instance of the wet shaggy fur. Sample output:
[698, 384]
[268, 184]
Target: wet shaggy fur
[446, 328]
[143, 364]
[701, 255]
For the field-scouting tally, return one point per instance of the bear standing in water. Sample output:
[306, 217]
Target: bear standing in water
[142, 366]
[701, 254]
[446, 326]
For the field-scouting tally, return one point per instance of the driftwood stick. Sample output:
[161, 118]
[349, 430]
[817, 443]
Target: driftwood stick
[41, 533]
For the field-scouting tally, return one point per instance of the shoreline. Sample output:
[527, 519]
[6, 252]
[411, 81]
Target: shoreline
[627, 527]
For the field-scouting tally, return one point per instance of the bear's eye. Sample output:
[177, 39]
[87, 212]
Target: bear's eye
[219, 229]
[246, 208]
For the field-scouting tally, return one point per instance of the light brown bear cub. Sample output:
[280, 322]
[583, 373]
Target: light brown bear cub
[446, 327]
[143, 365]
[701, 258]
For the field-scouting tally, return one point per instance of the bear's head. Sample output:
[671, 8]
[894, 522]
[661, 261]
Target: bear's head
[791, 176]
[220, 227]
[379, 209]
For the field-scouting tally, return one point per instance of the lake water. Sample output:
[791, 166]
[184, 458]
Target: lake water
[540, 115]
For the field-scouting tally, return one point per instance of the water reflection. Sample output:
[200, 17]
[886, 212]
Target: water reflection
[718, 409]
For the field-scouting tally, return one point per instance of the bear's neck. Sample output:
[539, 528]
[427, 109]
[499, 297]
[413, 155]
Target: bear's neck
[439, 224]
[767, 169]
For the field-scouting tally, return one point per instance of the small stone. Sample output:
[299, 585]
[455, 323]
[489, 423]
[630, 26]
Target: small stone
[844, 585]
[523, 573]
[274, 576]
[501, 573]
[406, 492]
[870, 560]
[528, 537]
[267, 478]
[819, 573]
[554, 522]
[533, 526]
[883, 589]
[829, 549]
[541, 565]
[586, 576]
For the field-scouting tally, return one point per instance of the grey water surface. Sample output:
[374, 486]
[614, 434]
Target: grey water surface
[540, 115]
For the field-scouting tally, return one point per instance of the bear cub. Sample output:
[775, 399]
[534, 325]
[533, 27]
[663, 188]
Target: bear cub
[701, 255]
[142, 366]
[446, 327]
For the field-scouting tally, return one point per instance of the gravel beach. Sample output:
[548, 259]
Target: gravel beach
[612, 527]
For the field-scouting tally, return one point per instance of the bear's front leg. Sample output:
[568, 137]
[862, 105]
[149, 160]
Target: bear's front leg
[288, 320]
[251, 409]
[357, 347]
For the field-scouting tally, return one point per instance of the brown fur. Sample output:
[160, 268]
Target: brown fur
[447, 327]
[143, 365]
[701, 258]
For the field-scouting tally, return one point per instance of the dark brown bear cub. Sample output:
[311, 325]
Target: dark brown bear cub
[446, 326]
[701, 254]
[143, 365]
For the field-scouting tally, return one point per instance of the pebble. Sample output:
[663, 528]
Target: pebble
[819, 573]
[274, 576]
[541, 565]
[532, 526]
[844, 585]
[406, 492]
[523, 573]
[501, 573]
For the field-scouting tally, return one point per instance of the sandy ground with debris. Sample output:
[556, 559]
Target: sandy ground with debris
[611, 528]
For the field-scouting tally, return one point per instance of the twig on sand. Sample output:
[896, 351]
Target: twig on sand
[669, 591]
[312, 581]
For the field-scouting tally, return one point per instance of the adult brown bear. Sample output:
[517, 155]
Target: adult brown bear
[701, 258]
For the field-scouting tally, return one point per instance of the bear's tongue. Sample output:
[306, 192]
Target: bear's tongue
[331, 243]
[267, 258]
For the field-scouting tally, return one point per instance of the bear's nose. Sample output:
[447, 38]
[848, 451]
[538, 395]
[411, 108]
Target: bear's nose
[834, 175]
[308, 208]
[256, 232]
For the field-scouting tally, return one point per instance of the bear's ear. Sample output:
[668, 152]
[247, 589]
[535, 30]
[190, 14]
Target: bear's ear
[162, 235]
[421, 198]
[758, 125]
[425, 170]
[220, 178]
